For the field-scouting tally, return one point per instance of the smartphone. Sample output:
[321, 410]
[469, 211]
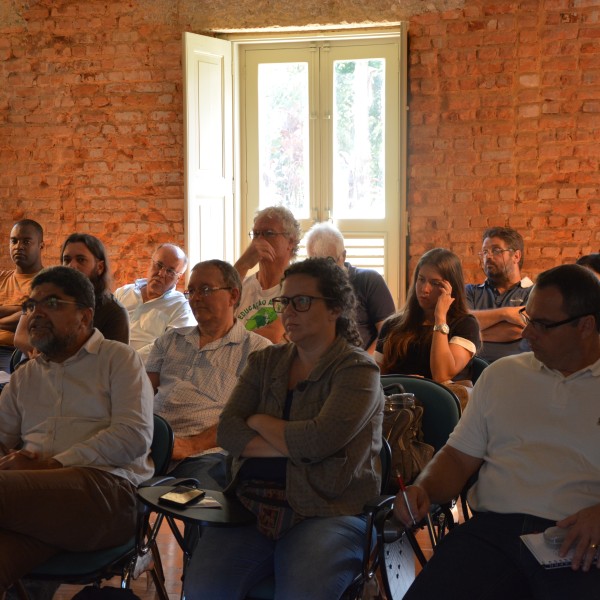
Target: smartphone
[181, 496]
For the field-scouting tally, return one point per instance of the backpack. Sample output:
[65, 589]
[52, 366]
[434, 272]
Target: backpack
[402, 428]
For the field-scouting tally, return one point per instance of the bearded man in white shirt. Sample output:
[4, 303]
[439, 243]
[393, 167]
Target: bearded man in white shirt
[75, 432]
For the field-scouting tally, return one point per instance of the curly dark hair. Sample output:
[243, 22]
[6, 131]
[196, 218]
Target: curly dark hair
[334, 285]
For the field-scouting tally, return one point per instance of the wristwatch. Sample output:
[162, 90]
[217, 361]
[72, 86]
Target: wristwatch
[443, 328]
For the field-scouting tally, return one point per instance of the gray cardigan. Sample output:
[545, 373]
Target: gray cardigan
[334, 432]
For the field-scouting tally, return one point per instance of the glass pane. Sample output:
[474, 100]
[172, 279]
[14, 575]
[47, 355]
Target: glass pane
[283, 136]
[358, 139]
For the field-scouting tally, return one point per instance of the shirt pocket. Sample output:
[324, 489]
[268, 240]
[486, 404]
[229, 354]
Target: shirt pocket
[154, 322]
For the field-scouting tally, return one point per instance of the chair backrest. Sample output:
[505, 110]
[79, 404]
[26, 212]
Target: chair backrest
[162, 445]
[441, 407]
[477, 366]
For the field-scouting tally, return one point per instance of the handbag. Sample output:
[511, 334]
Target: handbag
[402, 428]
[268, 501]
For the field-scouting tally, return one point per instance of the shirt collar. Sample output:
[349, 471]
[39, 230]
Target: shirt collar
[235, 335]
[524, 283]
[91, 346]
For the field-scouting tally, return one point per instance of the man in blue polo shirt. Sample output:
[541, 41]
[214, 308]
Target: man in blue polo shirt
[496, 302]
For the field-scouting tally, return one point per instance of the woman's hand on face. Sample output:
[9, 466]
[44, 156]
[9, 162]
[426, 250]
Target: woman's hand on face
[444, 302]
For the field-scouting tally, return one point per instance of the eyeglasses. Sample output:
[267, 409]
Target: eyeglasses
[51, 303]
[494, 252]
[268, 234]
[542, 327]
[300, 303]
[205, 290]
[158, 267]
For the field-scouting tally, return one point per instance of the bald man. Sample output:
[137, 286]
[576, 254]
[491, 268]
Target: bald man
[153, 303]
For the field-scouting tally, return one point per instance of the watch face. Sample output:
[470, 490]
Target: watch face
[443, 328]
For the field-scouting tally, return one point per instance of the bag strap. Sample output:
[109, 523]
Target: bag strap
[394, 388]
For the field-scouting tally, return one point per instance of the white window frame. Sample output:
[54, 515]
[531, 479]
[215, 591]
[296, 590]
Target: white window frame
[217, 215]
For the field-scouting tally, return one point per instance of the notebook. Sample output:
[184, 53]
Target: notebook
[547, 556]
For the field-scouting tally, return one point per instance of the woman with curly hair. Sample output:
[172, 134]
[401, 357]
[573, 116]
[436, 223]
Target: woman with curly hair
[304, 428]
[434, 335]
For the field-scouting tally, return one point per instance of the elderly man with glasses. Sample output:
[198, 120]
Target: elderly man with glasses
[153, 303]
[496, 302]
[194, 369]
[275, 238]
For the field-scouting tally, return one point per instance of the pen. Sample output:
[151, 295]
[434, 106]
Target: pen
[403, 490]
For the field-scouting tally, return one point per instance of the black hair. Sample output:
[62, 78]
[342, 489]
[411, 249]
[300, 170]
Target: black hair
[33, 224]
[333, 284]
[579, 288]
[70, 281]
[96, 247]
[512, 238]
[591, 261]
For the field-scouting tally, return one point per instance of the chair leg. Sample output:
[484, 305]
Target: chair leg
[20, 589]
[159, 583]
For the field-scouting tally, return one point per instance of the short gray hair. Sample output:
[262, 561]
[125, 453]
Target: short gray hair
[290, 226]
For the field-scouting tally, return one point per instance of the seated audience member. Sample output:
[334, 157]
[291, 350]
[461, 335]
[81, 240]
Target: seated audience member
[153, 304]
[86, 253]
[591, 262]
[496, 302]
[374, 301]
[433, 335]
[531, 431]
[303, 423]
[26, 244]
[275, 238]
[194, 370]
[75, 432]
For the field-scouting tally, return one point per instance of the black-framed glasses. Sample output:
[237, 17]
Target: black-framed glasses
[158, 267]
[494, 252]
[268, 234]
[204, 290]
[51, 303]
[542, 326]
[300, 303]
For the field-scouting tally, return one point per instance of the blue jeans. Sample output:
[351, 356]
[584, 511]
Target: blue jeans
[484, 559]
[209, 469]
[317, 560]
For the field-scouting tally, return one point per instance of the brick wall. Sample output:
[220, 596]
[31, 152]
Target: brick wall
[504, 118]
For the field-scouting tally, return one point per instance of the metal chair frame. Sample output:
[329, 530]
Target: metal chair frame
[92, 567]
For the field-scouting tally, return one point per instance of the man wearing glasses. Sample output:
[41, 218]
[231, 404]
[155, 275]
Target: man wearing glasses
[75, 432]
[194, 369]
[496, 302]
[153, 303]
[275, 238]
[531, 435]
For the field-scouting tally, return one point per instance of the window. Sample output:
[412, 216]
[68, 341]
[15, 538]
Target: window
[322, 131]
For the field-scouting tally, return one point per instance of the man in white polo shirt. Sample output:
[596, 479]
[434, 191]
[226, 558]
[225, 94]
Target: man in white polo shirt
[531, 432]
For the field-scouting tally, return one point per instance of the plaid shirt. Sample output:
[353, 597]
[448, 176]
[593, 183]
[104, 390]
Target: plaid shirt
[195, 383]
